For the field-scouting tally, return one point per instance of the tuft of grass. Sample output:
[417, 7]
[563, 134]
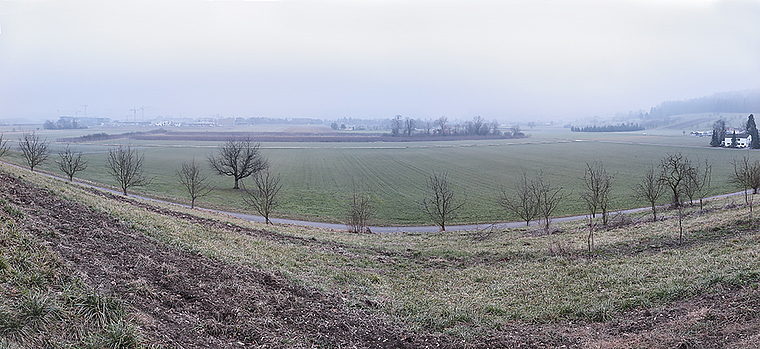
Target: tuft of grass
[36, 311]
[10, 325]
[121, 335]
[41, 306]
[12, 210]
[98, 308]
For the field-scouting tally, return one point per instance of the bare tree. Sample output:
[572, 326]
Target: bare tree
[674, 172]
[515, 130]
[238, 159]
[194, 181]
[33, 150]
[597, 184]
[264, 196]
[125, 165]
[745, 175]
[360, 211]
[396, 125]
[548, 197]
[442, 124]
[71, 162]
[441, 203]
[699, 180]
[522, 201]
[3, 145]
[649, 189]
[409, 124]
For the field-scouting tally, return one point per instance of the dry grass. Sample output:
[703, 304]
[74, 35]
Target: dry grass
[458, 283]
[42, 305]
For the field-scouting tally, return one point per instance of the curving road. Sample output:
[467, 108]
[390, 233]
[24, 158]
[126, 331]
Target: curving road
[412, 229]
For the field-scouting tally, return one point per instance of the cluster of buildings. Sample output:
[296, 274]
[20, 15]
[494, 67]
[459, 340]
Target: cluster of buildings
[743, 139]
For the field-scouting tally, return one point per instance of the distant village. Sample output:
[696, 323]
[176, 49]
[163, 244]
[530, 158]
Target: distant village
[72, 122]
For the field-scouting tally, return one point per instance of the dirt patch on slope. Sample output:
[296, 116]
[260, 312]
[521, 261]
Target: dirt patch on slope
[187, 300]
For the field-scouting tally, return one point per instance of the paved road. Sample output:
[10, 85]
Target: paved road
[414, 229]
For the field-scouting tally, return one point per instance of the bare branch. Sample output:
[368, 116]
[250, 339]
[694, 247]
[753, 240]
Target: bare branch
[264, 196]
[649, 189]
[548, 197]
[440, 203]
[3, 145]
[125, 165]
[360, 211]
[238, 159]
[32, 149]
[194, 181]
[522, 201]
[71, 162]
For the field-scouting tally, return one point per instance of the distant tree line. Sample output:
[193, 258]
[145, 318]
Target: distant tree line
[105, 136]
[443, 127]
[727, 102]
[623, 127]
[664, 113]
[257, 120]
[62, 124]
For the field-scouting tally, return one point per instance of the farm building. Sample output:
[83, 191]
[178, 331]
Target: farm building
[743, 140]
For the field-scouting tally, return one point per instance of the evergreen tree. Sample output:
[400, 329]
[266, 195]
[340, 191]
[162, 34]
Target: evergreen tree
[734, 142]
[719, 133]
[752, 130]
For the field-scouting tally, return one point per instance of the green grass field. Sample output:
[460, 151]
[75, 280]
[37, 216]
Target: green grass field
[318, 177]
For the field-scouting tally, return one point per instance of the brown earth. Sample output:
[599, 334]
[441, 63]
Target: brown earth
[186, 300]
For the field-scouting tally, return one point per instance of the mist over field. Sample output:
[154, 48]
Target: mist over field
[379, 174]
[516, 60]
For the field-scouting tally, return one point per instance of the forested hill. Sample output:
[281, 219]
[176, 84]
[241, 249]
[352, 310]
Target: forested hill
[725, 102]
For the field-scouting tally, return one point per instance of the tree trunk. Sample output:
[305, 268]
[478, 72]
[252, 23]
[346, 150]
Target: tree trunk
[590, 234]
[680, 225]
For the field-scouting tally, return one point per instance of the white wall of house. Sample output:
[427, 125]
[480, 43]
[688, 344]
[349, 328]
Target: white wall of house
[741, 142]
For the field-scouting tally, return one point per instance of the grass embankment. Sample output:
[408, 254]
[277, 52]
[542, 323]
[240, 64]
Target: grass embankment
[42, 302]
[470, 283]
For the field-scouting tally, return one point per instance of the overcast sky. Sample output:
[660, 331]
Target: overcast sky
[507, 60]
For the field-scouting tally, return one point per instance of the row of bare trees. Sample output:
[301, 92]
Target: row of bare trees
[532, 197]
[34, 151]
[238, 159]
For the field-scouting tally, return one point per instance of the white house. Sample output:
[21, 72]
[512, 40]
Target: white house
[743, 140]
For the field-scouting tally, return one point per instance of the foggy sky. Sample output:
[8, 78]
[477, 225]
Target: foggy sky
[507, 60]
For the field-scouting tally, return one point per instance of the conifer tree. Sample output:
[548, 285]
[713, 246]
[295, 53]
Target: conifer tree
[752, 131]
